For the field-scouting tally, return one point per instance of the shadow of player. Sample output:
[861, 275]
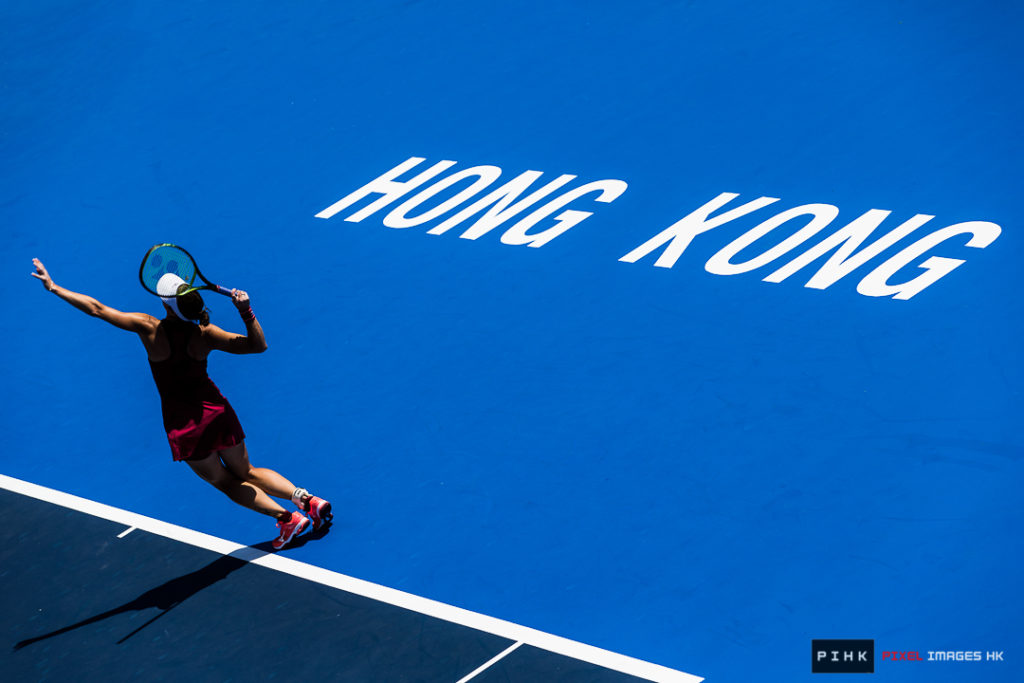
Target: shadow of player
[169, 595]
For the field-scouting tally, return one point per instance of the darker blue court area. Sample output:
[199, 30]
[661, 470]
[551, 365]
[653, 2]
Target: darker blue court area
[702, 466]
[82, 604]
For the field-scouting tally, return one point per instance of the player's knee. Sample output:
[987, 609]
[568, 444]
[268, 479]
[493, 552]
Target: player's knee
[222, 479]
[250, 475]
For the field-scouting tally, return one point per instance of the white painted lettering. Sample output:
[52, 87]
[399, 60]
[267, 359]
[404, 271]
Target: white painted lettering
[385, 185]
[679, 235]
[414, 202]
[503, 208]
[720, 263]
[847, 258]
[398, 218]
[518, 234]
[876, 283]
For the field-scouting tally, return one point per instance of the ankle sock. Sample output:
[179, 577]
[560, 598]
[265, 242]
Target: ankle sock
[299, 497]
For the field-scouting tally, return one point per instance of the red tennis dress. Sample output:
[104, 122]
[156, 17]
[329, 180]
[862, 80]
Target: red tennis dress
[197, 417]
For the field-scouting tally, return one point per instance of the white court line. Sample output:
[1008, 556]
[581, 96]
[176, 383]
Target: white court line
[127, 531]
[489, 663]
[432, 608]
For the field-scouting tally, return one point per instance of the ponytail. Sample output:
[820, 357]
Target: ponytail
[192, 306]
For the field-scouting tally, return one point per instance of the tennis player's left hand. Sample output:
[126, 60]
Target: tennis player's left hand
[41, 274]
[240, 299]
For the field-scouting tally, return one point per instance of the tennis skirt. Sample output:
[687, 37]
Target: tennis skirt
[205, 429]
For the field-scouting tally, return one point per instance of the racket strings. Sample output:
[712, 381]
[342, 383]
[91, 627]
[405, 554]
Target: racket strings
[166, 259]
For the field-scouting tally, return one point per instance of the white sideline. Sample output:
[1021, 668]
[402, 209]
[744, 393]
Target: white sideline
[415, 603]
[490, 662]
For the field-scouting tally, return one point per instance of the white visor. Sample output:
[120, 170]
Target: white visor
[167, 287]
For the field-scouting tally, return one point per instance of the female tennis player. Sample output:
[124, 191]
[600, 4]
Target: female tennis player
[201, 426]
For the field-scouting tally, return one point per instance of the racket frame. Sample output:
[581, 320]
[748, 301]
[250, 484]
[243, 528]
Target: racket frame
[208, 285]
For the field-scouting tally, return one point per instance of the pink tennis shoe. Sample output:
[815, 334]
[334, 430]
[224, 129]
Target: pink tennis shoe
[290, 530]
[319, 511]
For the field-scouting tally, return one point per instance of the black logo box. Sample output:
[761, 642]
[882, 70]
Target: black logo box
[842, 656]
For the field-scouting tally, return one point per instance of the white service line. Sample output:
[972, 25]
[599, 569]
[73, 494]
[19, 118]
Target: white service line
[489, 663]
[456, 615]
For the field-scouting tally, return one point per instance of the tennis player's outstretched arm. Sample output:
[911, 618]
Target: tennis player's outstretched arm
[140, 323]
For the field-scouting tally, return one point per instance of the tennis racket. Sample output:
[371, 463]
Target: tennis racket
[170, 258]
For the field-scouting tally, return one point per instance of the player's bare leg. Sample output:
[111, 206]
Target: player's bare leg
[236, 458]
[213, 471]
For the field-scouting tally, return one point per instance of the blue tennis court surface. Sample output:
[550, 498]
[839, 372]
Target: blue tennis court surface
[688, 331]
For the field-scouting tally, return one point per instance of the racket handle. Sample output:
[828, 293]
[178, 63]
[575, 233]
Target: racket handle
[223, 290]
